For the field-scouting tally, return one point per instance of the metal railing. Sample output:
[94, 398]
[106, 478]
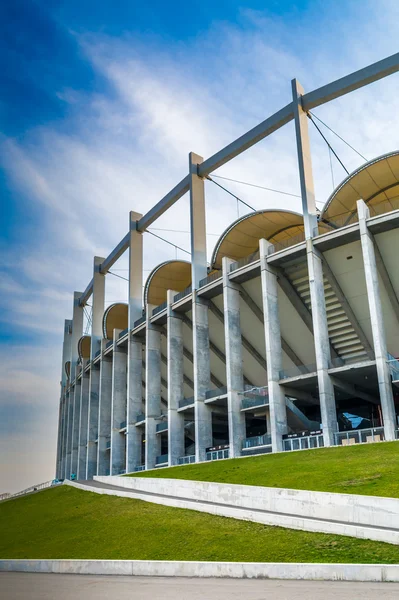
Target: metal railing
[5, 496]
[109, 344]
[108, 445]
[393, 364]
[159, 308]
[217, 454]
[303, 443]
[124, 332]
[253, 402]
[182, 294]
[296, 371]
[139, 321]
[36, 488]
[162, 459]
[257, 440]
[186, 402]
[212, 277]
[292, 241]
[187, 460]
[140, 417]
[122, 425]
[97, 353]
[384, 207]
[140, 468]
[359, 436]
[215, 393]
[161, 427]
[244, 261]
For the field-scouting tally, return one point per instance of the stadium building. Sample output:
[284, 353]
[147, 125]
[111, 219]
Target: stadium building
[287, 341]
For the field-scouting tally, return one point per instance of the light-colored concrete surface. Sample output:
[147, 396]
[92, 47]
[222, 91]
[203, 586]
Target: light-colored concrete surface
[18, 586]
[353, 515]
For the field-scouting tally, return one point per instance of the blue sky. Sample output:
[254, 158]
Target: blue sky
[101, 103]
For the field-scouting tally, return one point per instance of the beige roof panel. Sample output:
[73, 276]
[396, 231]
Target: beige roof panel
[84, 345]
[170, 275]
[115, 317]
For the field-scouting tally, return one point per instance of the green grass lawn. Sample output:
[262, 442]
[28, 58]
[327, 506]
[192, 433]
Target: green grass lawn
[64, 522]
[371, 469]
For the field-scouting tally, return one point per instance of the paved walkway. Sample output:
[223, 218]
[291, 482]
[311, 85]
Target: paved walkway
[35, 586]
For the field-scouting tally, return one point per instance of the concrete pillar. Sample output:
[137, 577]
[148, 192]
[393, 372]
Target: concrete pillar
[84, 411]
[66, 352]
[377, 322]
[92, 421]
[77, 331]
[104, 413]
[75, 426]
[175, 382]
[68, 463]
[134, 403]
[322, 344]
[135, 269]
[234, 367]
[304, 162]
[59, 433]
[152, 391]
[202, 377]
[119, 406]
[277, 421]
[94, 382]
[197, 221]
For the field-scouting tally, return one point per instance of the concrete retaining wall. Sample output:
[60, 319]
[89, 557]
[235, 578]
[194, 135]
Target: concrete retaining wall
[309, 571]
[368, 517]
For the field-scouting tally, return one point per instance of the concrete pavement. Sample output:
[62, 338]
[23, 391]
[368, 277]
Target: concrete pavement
[35, 586]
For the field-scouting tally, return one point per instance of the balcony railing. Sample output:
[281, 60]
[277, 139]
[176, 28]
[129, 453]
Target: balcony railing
[217, 454]
[162, 427]
[257, 440]
[122, 425]
[393, 364]
[244, 261]
[292, 241]
[303, 443]
[109, 344]
[187, 460]
[212, 277]
[161, 460]
[253, 402]
[139, 321]
[359, 436]
[97, 353]
[215, 393]
[296, 371]
[182, 294]
[124, 332]
[108, 444]
[140, 417]
[140, 468]
[159, 308]
[186, 402]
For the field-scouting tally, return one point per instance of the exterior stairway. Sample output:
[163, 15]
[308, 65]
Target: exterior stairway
[343, 337]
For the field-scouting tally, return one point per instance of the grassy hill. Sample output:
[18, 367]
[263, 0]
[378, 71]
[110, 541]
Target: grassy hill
[370, 469]
[64, 522]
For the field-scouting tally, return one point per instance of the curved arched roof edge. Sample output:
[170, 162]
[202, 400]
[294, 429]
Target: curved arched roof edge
[352, 175]
[244, 218]
[154, 271]
[106, 313]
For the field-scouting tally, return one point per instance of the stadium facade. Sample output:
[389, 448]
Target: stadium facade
[288, 340]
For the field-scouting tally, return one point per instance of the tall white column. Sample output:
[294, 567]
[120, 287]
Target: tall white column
[135, 347]
[377, 323]
[66, 352]
[197, 220]
[77, 331]
[202, 377]
[135, 403]
[84, 411]
[234, 366]
[94, 384]
[175, 382]
[104, 413]
[68, 463]
[277, 414]
[119, 407]
[75, 426]
[152, 391]
[319, 315]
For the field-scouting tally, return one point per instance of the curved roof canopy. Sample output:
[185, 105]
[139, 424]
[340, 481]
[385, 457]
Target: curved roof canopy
[68, 368]
[242, 237]
[170, 275]
[376, 182]
[115, 317]
[84, 344]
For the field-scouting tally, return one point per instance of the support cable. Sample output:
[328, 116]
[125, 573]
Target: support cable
[167, 241]
[231, 193]
[119, 276]
[261, 187]
[338, 136]
[328, 144]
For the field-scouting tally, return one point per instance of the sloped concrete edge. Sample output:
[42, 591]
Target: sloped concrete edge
[305, 571]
